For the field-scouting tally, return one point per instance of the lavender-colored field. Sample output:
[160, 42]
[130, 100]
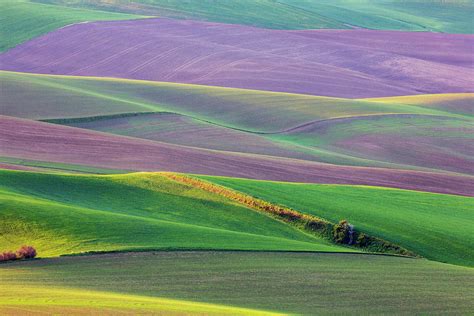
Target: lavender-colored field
[352, 63]
[26, 139]
[183, 130]
[430, 141]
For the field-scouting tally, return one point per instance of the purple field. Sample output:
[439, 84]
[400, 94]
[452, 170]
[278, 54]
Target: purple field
[183, 130]
[26, 139]
[352, 64]
[430, 141]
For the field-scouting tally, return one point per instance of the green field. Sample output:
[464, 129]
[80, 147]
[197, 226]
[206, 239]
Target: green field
[436, 226]
[59, 96]
[459, 103]
[429, 15]
[62, 214]
[280, 282]
[26, 300]
[266, 123]
[24, 20]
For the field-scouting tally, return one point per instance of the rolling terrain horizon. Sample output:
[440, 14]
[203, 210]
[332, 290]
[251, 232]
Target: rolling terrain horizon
[236, 157]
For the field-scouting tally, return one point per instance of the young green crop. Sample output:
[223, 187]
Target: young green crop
[436, 226]
[294, 283]
[62, 214]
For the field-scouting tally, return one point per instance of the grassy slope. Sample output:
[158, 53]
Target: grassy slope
[436, 226]
[62, 214]
[449, 16]
[260, 111]
[21, 299]
[245, 110]
[283, 282]
[24, 20]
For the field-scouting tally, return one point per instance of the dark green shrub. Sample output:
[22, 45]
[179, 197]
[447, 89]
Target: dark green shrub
[362, 240]
[343, 233]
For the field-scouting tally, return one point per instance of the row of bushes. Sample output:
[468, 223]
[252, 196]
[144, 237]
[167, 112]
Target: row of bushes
[341, 233]
[344, 233]
[25, 252]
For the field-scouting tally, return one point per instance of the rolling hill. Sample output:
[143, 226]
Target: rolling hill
[24, 20]
[31, 140]
[58, 97]
[181, 282]
[336, 63]
[250, 157]
[436, 142]
[62, 214]
[436, 226]
[436, 16]
[329, 130]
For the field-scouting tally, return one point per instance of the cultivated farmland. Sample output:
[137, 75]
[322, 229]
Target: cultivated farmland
[437, 226]
[372, 63]
[31, 140]
[63, 214]
[437, 16]
[329, 130]
[301, 283]
[24, 20]
[236, 157]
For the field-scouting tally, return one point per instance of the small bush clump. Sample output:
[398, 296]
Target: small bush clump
[362, 240]
[25, 252]
[343, 233]
[7, 256]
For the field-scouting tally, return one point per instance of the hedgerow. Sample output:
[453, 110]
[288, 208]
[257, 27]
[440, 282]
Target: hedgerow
[342, 233]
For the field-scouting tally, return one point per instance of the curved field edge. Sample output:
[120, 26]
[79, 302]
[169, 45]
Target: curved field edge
[246, 114]
[62, 214]
[24, 20]
[436, 226]
[314, 225]
[187, 131]
[296, 283]
[366, 140]
[55, 143]
[120, 96]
